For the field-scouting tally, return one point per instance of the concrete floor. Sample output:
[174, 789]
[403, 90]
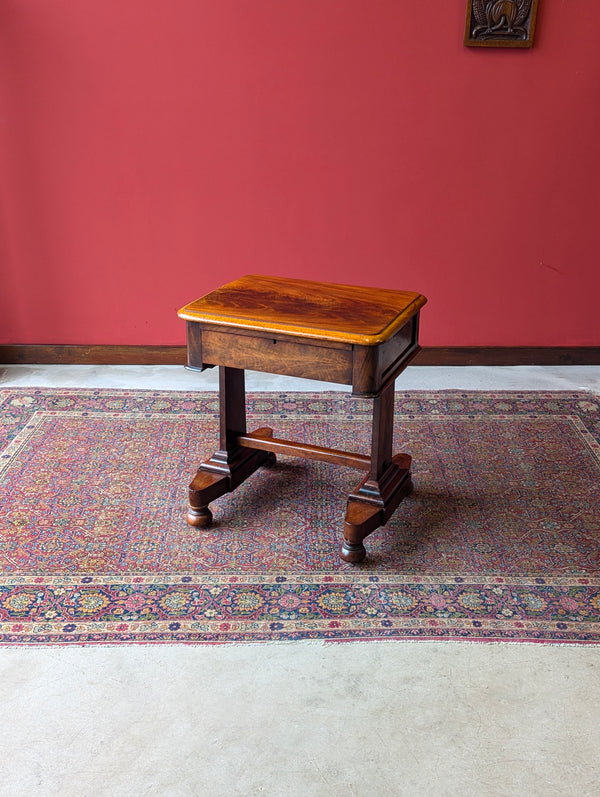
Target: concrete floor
[387, 718]
[174, 377]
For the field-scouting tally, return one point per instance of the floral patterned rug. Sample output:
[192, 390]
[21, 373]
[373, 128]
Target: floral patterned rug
[500, 540]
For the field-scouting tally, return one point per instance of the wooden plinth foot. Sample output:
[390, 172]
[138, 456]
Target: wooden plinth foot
[372, 504]
[206, 487]
[221, 474]
[361, 520]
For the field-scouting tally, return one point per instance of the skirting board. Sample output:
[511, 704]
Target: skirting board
[176, 355]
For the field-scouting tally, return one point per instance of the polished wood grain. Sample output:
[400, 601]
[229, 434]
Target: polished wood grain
[275, 354]
[338, 333]
[263, 439]
[364, 516]
[231, 464]
[388, 481]
[306, 309]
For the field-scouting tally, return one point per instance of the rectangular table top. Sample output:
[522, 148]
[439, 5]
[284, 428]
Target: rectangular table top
[306, 309]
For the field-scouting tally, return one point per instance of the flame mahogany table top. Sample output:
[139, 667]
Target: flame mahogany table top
[307, 309]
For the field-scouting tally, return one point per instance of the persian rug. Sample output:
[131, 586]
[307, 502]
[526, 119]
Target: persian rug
[500, 540]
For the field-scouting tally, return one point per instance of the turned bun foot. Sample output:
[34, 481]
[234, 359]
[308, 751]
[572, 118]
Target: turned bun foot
[352, 552]
[200, 517]
[271, 460]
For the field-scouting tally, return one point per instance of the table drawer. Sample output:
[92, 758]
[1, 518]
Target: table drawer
[277, 355]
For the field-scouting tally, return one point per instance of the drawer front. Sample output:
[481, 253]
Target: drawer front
[278, 355]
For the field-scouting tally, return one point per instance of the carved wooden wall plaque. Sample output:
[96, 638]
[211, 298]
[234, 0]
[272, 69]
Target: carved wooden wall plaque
[500, 23]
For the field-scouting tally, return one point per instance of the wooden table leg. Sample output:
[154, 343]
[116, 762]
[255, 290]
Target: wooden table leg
[376, 498]
[231, 464]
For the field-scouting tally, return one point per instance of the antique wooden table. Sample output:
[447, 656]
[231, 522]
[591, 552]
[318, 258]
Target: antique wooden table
[344, 334]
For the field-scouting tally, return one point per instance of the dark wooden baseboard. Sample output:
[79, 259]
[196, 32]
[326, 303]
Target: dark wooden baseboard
[176, 355]
[92, 355]
[509, 355]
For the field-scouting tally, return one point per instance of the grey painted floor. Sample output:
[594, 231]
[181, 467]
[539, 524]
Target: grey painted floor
[174, 377]
[301, 718]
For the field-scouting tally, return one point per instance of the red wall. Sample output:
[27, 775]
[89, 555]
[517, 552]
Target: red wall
[152, 150]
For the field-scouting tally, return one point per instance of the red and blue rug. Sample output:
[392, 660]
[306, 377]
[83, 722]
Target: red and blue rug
[500, 540]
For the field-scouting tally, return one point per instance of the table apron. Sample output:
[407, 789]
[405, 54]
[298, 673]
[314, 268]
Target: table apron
[275, 354]
[367, 368]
